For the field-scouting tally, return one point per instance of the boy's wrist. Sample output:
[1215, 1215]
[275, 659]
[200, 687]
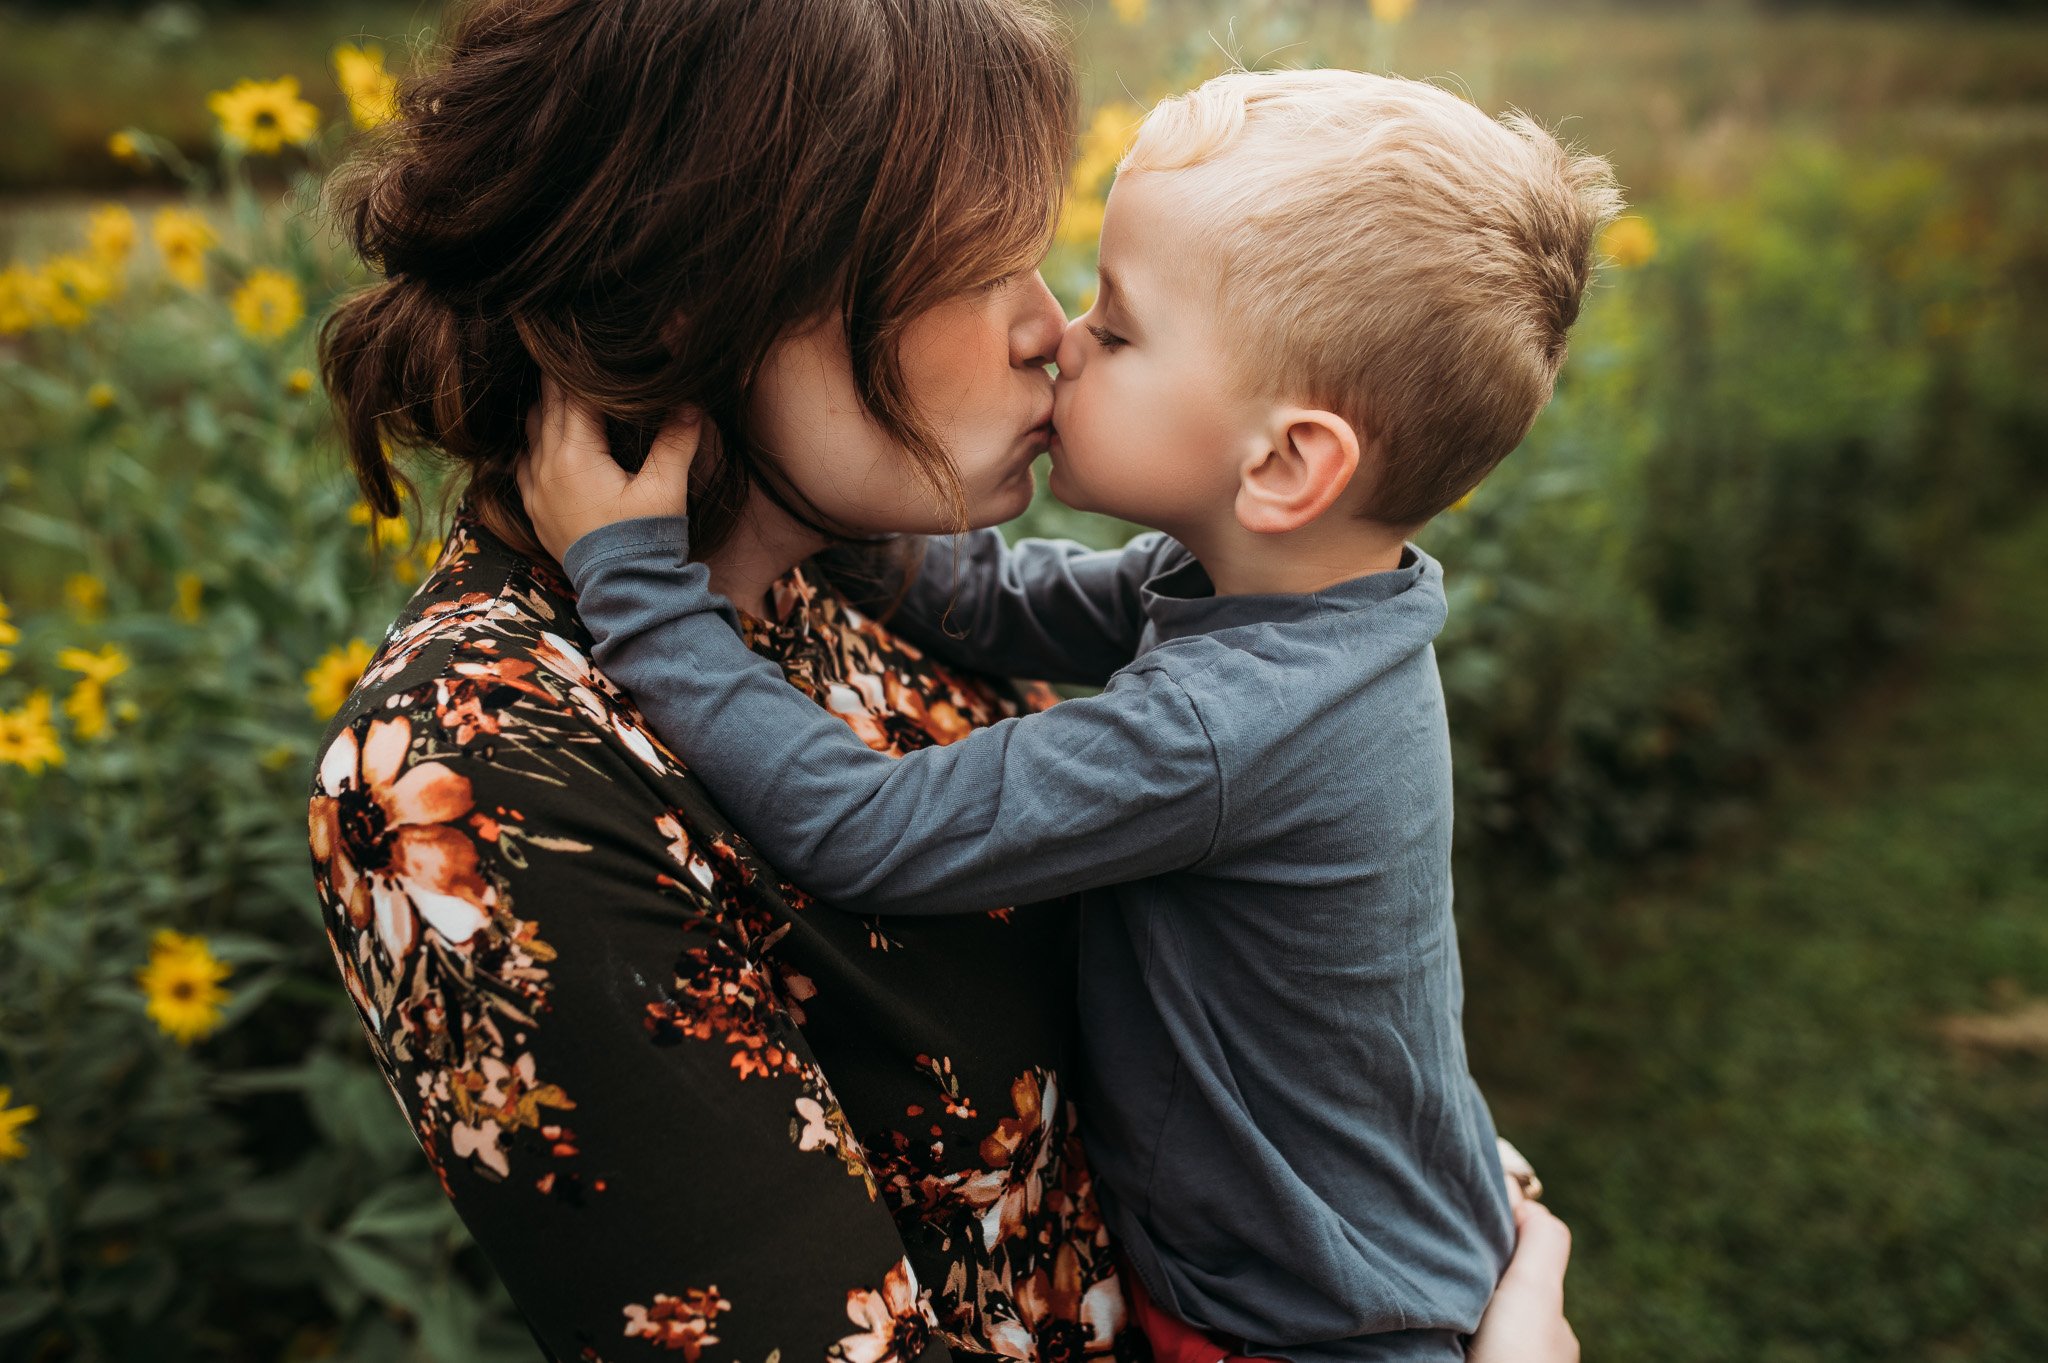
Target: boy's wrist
[639, 535]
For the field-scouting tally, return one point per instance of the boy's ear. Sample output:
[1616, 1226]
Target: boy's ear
[1299, 470]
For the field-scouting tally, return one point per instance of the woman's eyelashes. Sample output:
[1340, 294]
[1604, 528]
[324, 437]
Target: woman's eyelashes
[1104, 337]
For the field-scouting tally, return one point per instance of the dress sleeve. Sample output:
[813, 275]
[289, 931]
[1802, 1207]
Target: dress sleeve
[1094, 791]
[579, 1018]
[1051, 609]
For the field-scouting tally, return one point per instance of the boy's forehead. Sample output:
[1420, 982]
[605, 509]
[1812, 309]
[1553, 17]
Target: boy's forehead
[1153, 231]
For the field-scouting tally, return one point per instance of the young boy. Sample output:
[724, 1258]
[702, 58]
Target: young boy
[1329, 304]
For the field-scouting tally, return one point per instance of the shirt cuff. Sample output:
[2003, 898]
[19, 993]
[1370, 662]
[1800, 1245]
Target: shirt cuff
[622, 539]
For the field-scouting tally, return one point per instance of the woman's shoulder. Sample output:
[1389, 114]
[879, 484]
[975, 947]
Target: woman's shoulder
[489, 654]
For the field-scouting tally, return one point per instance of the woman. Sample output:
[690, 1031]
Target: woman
[681, 1106]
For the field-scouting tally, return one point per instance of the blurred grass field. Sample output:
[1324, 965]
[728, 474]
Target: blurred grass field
[1789, 1094]
[1663, 90]
[1744, 664]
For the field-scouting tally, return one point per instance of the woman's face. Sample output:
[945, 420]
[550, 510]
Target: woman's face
[975, 370]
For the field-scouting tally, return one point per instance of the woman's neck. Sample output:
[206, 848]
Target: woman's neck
[765, 544]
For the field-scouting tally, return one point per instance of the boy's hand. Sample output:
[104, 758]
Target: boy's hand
[572, 486]
[1525, 1321]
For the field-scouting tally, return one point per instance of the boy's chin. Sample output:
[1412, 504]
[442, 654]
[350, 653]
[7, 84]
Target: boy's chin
[1063, 488]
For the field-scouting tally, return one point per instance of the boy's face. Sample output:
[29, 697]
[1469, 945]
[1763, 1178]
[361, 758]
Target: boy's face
[1148, 424]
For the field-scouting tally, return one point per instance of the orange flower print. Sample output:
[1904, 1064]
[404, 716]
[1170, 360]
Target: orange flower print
[896, 1322]
[598, 698]
[678, 1324]
[845, 702]
[495, 1099]
[387, 837]
[946, 724]
[1055, 1313]
[670, 826]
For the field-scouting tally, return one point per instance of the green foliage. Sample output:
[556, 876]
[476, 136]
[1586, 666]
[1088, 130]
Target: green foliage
[1774, 442]
[1766, 459]
[1748, 1089]
[250, 1195]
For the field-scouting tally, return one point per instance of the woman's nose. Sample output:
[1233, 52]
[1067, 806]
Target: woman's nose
[1035, 339]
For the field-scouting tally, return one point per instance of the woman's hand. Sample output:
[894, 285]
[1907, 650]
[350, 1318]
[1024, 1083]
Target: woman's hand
[1525, 1321]
[572, 486]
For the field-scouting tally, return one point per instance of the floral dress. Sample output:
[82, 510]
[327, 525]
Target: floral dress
[684, 1108]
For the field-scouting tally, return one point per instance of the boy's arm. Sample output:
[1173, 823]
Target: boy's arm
[1051, 609]
[1109, 788]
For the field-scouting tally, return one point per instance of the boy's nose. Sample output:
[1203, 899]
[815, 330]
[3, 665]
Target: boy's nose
[1072, 348]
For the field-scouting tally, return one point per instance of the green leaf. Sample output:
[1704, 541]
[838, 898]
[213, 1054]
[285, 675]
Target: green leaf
[241, 948]
[202, 423]
[21, 1230]
[404, 1210]
[22, 1308]
[449, 1317]
[47, 529]
[269, 1202]
[378, 1272]
[116, 1203]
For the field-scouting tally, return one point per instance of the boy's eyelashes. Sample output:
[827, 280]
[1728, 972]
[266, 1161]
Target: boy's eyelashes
[1104, 337]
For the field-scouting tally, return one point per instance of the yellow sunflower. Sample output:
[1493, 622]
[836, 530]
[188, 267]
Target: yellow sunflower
[392, 533]
[191, 590]
[110, 234]
[9, 636]
[12, 1120]
[1392, 11]
[268, 305]
[182, 984]
[372, 91]
[1628, 242]
[86, 594]
[27, 737]
[264, 115]
[101, 396]
[102, 667]
[69, 287]
[1103, 144]
[329, 681]
[299, 382]
[184, 238]
[1129, 11]
[122, 146]
[87, 707]
[19, 299]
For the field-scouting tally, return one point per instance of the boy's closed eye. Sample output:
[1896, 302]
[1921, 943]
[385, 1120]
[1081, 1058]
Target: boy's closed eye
[1106, 338]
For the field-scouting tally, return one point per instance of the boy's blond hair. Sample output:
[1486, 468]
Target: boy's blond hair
[1390, 252]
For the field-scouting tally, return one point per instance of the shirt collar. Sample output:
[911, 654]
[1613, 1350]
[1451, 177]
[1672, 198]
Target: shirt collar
[1180, 600]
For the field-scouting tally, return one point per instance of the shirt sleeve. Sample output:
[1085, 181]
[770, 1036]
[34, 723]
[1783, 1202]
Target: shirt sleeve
[1094, 791]
[1051, 609]
[592, 1053]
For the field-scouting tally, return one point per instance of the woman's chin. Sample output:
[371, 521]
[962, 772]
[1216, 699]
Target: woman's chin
[1023, 486]
[1005, 502]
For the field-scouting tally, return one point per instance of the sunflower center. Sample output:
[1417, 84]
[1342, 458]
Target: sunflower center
[266, 118]
[184, 991]
[365, 832]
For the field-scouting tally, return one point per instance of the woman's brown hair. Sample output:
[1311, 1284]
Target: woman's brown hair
[640, 197]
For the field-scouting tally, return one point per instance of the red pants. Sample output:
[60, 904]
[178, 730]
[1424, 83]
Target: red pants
[1175, 1341]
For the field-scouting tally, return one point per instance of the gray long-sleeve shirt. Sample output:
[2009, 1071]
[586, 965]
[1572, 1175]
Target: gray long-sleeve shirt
[1276, 1097]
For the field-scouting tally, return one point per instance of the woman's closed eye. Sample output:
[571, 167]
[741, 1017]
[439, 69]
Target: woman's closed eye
[1105, 338]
